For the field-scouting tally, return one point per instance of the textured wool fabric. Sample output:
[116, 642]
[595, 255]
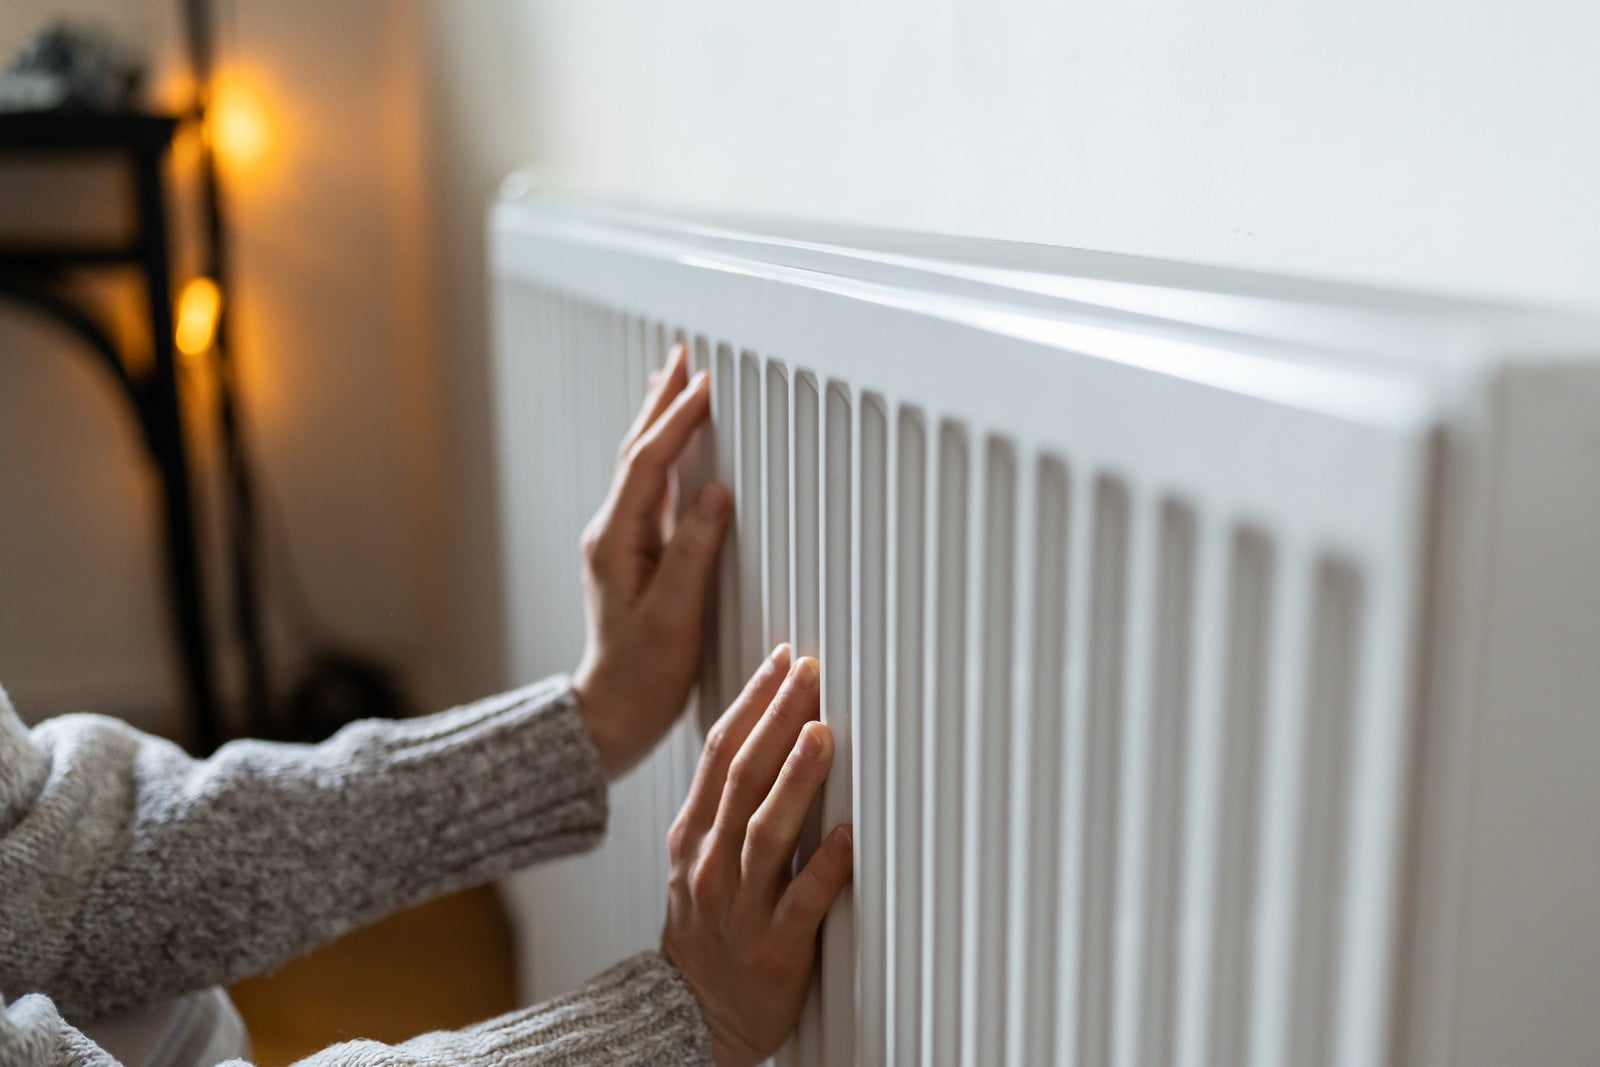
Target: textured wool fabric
[199, 1028]
[130, 872]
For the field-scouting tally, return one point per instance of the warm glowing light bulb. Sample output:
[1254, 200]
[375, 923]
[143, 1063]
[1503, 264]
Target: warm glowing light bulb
[238, 126]
[199, 307]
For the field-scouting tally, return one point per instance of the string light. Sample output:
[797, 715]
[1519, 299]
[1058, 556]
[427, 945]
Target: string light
[237, 125]
[199, 307]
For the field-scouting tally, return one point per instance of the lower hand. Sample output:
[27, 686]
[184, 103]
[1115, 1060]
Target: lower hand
[741, 930]
[645, 583]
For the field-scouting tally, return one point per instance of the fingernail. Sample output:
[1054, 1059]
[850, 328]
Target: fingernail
[809, 743]
[805, 672]
[843, 839]
[780, 653]
[712, 501]
[700, 380]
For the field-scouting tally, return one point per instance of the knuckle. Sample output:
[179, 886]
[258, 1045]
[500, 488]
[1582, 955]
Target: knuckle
[716, 746]
[643, 453]
[678, 883]
[793, 789]
[591, 541]
[760, 840]
[807, 886]
[824, 874]
[784, 712]
[703, 879]
[742, 781]
[700, 532]
[679, 869]
[796, 770]
[677, 836]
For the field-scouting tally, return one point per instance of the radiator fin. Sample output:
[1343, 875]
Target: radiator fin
[986, 745]
[906, 728]
[1150, 1028]
[943, 786]
[1322, 865]
[838, 933]
[776, 488]
[807, 639]
[750, 489]
[871, 662]
[1035, 868]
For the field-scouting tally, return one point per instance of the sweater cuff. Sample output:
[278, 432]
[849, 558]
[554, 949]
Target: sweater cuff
[514, 779]
[640, 1011]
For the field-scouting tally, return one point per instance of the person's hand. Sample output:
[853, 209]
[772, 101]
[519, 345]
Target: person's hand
[739, 928]
[644, 582]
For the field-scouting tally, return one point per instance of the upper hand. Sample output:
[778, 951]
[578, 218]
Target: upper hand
[741, 930]
[644, 582]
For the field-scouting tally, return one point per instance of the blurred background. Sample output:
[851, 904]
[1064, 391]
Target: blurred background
[1440, 145]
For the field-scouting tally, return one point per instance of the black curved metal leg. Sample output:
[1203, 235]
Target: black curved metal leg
[179, 520]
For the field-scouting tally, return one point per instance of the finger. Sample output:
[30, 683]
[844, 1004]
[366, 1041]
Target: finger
[774, 829]
[664, 513]
[645, 470]
[665, 385]
[678, 589]
[755, 768]
[801, 908]
[725, 738]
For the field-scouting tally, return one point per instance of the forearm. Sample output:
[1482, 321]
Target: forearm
[129, 871]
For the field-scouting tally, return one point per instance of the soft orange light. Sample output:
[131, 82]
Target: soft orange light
[238, 126]
[186, 144]
[199, 306]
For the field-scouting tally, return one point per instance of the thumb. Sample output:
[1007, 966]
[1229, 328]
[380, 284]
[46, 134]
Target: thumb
[679, 586]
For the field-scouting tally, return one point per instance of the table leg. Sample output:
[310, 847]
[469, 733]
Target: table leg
[171, 457]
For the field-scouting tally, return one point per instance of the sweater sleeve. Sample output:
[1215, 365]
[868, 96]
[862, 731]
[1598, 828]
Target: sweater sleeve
[639, 1012]
[130, 872]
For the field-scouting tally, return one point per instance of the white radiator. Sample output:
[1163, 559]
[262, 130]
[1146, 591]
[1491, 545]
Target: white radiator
[1214, 658]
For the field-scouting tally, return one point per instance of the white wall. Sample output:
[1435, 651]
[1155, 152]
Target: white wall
[1443, 144]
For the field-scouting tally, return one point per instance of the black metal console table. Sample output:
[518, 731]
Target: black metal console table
[34, 275]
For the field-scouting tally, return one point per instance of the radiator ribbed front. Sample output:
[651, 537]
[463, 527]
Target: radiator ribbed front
[1115, 639]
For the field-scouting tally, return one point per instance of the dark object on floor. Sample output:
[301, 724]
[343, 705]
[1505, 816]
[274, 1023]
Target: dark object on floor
[338, 688]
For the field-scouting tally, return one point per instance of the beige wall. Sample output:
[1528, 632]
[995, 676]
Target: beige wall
[1440, 144]
[479, 131]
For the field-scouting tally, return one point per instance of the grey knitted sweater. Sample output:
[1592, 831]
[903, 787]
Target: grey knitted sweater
[130, 872]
